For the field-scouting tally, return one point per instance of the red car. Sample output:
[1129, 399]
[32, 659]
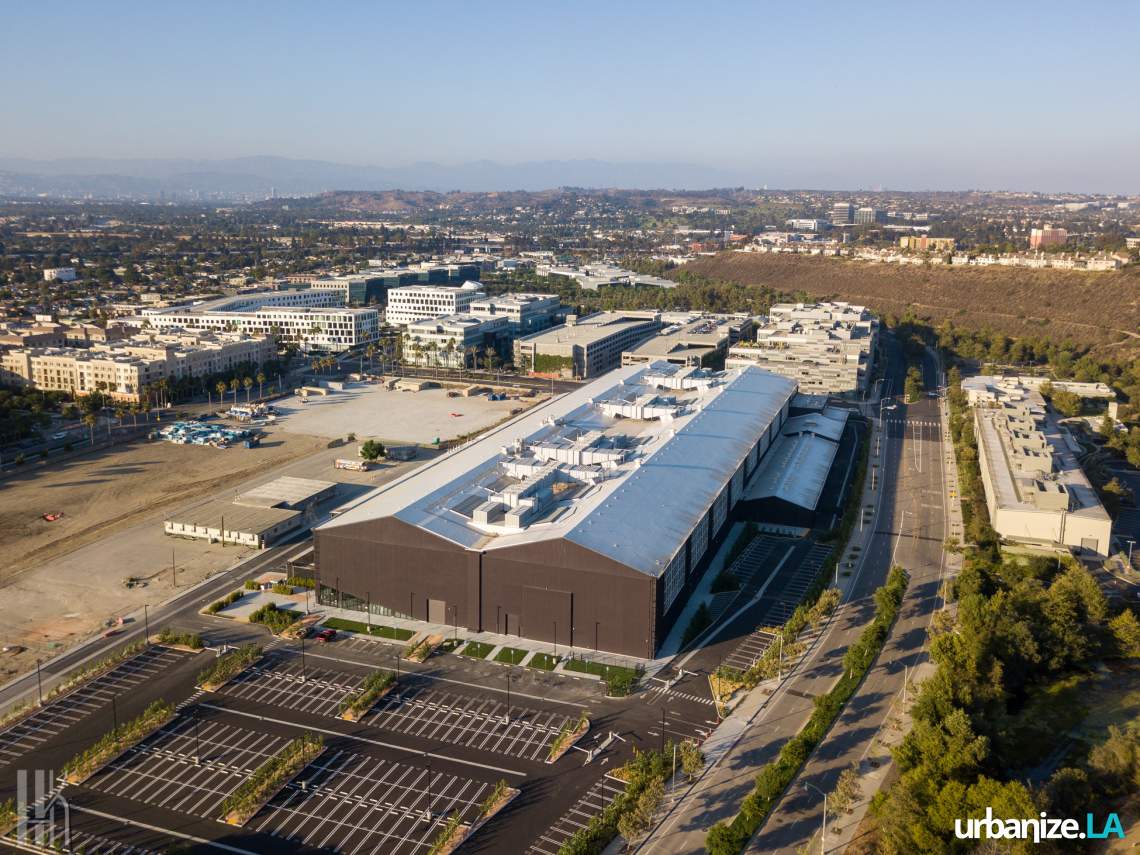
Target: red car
[326, 635]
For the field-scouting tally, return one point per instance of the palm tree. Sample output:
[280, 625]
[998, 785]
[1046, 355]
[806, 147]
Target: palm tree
[248, 383]
[221, 387]
[370, 352]
[135, 414]
[234, 386]
[90, 420]
[260, 384]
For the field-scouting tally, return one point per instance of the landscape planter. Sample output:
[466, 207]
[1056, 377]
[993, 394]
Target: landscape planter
[356, 715]
[582, 728]
[421, 650]
[120, 749]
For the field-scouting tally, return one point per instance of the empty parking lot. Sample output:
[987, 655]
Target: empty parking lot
[162, 771]
[351, 803]
[31, 732]
[289, 684]
[593, 802]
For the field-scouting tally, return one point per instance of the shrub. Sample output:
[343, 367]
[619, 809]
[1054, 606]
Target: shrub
[229, 665]
[187, 639]
[372, 688]
[283, 588]
[270, 777]
[227, 600]
[251, 585]
[278, 620]
[86, 763]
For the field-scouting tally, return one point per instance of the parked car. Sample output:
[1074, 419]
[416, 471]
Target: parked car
[305, 632]
[326, 635]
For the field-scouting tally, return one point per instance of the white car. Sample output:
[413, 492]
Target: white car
[60, 435]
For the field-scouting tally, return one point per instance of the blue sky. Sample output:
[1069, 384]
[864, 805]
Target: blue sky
[1034, 95]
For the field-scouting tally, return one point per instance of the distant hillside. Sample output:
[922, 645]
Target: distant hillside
[1097, 309]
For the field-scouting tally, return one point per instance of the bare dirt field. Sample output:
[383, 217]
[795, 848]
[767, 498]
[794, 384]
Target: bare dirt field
[72, 590]
[1089, 308]
[102, 493]
[372, 411]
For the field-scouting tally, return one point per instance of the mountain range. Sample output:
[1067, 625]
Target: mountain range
[246, 177]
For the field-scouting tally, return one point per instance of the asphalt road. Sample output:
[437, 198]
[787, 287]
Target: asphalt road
[910, 533]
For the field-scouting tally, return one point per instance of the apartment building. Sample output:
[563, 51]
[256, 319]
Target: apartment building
[458, 341]
[123, 368]
[1047, 236]
[828, 348]
[413, 303]
[924, 243]
[585, 347]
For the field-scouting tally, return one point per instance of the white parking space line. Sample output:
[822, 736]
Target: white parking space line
[468, 721]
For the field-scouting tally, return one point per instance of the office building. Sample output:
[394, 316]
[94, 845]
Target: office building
[585, 522]
[691, 339]
[842, 214]
[525, 313]
[585, 347]
[1036, 492]
[1047, 236]
[869, 216]
[456, 341]
[826, 347]
[411, 303]
[312, 319]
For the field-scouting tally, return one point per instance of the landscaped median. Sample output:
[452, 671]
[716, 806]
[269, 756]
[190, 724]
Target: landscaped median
[419, 651]
[226, 601]
[256, 790]
[774, 778]
[374, 687]
[111, 745]
[278, 620]
[190, 641]
[567, 736]
[454, 832]
[227, 666]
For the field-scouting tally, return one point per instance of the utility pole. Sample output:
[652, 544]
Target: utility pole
[662, 730]
[146, 624]
[115, 718]
[173, 570]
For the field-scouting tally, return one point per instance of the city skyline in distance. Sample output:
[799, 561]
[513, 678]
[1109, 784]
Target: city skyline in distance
[855, 99]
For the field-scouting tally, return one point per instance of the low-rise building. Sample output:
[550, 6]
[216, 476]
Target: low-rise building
[585, 347]
[826, 347]
[457, 341]
[525, 313]
[122, 369]
[412, 303]
[1047, 236]
[691, 339]
[59, 274]
[313, 319]
[1036, 492]
[925, 243]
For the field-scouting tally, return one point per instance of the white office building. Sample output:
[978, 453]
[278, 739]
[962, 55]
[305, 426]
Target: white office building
[311, 319]
[826, 347]
[412, 303]
[457, 341]
[525, 313]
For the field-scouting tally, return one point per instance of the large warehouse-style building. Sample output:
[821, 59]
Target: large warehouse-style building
[584, 522]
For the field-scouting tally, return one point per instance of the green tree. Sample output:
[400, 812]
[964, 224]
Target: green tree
[372, 450]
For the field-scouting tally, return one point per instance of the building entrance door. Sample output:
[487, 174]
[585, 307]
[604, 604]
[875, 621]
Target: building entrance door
[437, 611]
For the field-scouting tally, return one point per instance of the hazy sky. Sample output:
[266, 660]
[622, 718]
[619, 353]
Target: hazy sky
[1036, 95]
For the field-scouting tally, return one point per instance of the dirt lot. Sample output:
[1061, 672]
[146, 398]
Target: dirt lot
[372, 411]
[102, 493]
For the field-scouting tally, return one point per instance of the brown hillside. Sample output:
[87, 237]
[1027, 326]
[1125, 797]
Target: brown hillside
[1090, 308]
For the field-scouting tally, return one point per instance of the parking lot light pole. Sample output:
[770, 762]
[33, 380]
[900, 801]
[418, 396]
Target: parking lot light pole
[368, 610]
[427, 810]
[662, 730]
[507, 715]
[197, 740]
[396, 653]
[115, 718]
[302, 639]
[146, 623]
[39, 683]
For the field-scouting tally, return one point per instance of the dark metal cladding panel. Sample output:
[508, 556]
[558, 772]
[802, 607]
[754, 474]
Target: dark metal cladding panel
[538, 589]
[401, 567]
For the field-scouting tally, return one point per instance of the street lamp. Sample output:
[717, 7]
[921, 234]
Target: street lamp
[146, 623]
[302, 640]
[823, 841]
[507, 715]
[427, 810]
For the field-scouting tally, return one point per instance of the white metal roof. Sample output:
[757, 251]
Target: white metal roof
[796, 469]
[638, 512]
